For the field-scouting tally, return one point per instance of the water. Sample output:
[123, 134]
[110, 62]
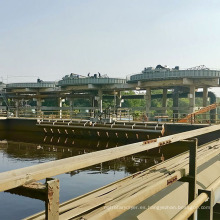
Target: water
[19, 150]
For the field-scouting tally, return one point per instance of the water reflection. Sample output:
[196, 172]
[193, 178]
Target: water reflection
[25, 149]
[46, 148]
[45, 152]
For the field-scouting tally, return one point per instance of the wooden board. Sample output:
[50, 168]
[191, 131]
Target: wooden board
[133, 189]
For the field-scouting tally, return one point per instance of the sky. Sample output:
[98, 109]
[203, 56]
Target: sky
[52, 38]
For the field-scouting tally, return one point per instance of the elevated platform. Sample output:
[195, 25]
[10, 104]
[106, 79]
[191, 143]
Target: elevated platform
[31, 85]
[164, 74]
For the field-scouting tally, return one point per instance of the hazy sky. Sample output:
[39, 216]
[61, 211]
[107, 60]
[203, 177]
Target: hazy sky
[52, 38]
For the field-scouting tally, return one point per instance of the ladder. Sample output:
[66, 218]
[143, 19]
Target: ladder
[202, 110]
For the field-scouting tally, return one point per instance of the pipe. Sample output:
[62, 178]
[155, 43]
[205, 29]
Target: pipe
[195, 204]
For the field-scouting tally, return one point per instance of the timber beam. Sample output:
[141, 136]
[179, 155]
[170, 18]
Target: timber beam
[19, 177]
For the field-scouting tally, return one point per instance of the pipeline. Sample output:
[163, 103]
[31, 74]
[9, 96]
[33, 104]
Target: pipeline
[195, 204]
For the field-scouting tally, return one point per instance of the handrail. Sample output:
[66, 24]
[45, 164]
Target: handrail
[195, 204]
[132, 115]
[143, 188]
[15, 178]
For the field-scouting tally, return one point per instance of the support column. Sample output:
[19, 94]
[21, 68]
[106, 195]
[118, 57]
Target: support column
[192, 99]
[118, 100]
[205, 211]
[175, 102]
[213, 112]
[16, 108]
[39, 103]
[164, 103]
[52, 199]
[205, 96]
[118, 105]
[205, 102]
[100, 100]
[192, 177]
[71, 107]
[93, 106]
[72, 102]
[93, 101]
[192, 173]
[60, 105]
[148, 101]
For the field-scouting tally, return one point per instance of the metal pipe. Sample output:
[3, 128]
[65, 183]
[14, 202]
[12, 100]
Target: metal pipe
[194, 205]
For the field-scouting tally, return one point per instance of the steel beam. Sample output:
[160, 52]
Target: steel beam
[192, 173]
[205, 211]
[52, 200]
[148, 100]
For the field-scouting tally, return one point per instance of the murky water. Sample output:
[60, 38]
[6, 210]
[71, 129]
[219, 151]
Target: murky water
[19, 150]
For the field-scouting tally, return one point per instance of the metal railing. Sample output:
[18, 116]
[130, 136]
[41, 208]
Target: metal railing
[90, 80]
[3, 113]
[204, 195]
[120, 114]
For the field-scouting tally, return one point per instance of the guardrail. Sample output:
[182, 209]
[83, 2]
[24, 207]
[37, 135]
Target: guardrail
[3, 114]
[119, 114]
[20, 177]
[204, 195]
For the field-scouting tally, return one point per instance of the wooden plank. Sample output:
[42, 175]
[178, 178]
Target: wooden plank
[131, 200]
[129, 186]
[132, 180]
[35, 190]
[15, 178]
[128, 190]
[52, 200]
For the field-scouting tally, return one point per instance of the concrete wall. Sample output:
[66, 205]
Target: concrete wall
[10, 125]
